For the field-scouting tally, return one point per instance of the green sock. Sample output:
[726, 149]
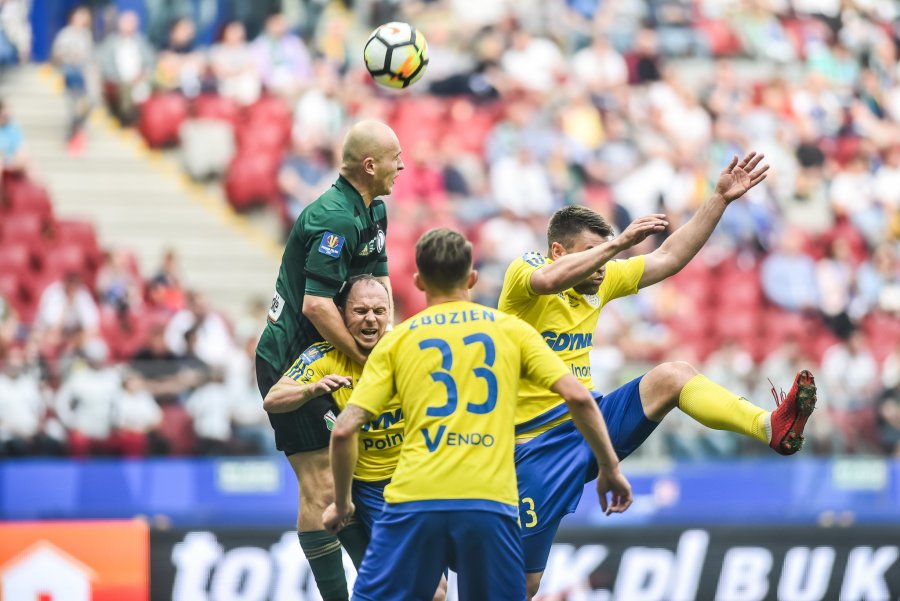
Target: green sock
[323, 551]
[355, 539]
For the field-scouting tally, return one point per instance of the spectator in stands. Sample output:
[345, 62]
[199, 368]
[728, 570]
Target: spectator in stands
[520, 185]
[12, 153]
[889, 421]
[66, 312]
[15, 32]
[212, 406]
[165, 285]
[251, 423]
[599, 68]
[283, 60]
[214, 342]
[23, 410]
[851, 383]
[835, 279]
[789, 276]
[118, 284]
[179, 66]
[306, 171]
[160, 368]
[319, 113]
[137, 416]
[878, 282]
[534, 64]
[86, 402]
[126, 64]
[9, 325]
[234, 66]
[72, 53]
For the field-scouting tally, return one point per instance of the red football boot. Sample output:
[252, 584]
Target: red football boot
[789, 418]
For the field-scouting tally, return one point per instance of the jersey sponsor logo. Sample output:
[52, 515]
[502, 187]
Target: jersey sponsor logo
[379, 241]
[568, 342]
[384, 421]
[455, 439]
[388, 441]
[580, 371]
[331, 245]
[276, 307]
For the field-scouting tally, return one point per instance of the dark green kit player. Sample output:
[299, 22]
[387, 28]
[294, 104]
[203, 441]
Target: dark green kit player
[340, 235]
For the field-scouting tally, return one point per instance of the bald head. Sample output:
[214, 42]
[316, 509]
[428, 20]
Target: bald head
[370, 158]
[367, 139]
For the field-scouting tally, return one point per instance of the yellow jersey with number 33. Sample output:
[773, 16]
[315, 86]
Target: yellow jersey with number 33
[566, 321]
[456, 369]
[381, 438]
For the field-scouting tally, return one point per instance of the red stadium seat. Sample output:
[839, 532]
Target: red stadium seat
[80, 233]
[258, 136]
[178, 429]
[22, 227]
[66, 258]
[15, 259]
[252, 180]
[213, 106]
[24, 196]
[161, 117]
[270, 109]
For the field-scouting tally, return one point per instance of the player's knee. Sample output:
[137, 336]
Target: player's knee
[669, 378]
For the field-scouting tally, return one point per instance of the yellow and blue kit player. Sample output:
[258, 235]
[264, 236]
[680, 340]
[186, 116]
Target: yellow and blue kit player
[561, 296]
[455, 368]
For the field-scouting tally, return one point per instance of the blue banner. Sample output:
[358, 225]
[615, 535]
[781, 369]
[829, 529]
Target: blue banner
[263, 492]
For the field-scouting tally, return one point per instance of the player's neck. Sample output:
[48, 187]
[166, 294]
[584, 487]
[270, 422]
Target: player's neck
[363, 191]
[451, 296]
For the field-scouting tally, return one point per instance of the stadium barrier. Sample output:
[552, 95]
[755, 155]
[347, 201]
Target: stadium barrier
[262, 492]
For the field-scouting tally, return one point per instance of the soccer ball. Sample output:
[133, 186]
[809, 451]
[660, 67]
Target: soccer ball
[396, 55]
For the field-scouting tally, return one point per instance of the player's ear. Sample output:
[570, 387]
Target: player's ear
[417, 280]
[557, 250]
[473, 278]
[369, 165]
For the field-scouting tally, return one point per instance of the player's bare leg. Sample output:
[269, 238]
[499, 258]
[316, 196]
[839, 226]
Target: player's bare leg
[322, 550]
[441, 593]
[532, 583]
[678, 384]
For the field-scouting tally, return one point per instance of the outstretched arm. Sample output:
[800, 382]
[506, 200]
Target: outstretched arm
[573, 268]
[288, 394]
[343, 464]
[679, 248]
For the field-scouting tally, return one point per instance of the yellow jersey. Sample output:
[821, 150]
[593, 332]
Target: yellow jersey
[380, 439]
[566, 321]
[456, 369]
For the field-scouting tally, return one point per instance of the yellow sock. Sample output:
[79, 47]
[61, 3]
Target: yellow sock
[717, 408]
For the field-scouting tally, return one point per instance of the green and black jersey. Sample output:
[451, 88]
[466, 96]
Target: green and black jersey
[335, 238]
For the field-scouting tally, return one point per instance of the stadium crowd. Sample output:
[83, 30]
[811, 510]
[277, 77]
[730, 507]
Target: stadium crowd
[626, 106]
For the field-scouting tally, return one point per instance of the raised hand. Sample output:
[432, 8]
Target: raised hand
[615, 483]
[330, 383]
[737, 178]
[639, 229]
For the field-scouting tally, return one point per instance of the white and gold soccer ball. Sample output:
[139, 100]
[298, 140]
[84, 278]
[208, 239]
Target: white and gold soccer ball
[396, 55]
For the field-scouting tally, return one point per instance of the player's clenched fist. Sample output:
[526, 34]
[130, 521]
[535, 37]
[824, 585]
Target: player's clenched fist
[334, 519]
[614, 482]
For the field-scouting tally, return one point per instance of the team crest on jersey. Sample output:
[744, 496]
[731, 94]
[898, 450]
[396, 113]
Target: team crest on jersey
[331, 245]
[330, 418]
[592, 299]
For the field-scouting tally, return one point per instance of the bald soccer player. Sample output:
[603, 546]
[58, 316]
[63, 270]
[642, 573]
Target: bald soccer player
[338, 236]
